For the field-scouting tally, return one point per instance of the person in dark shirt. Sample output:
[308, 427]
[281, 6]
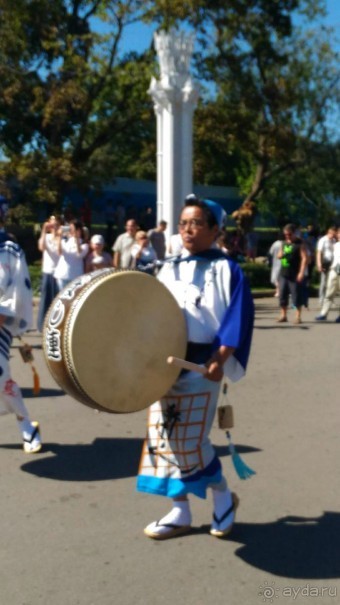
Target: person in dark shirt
[157, 239]
[294, 263]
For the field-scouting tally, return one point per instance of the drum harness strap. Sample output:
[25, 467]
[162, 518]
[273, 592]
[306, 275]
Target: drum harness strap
[198, 352]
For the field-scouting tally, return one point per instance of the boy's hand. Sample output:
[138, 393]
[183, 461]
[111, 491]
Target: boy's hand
[215, 371]
[216, 363]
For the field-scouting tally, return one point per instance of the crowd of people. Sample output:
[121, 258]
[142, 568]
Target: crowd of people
[293, 257]
[200, 266]
[68, 251]
[219, 324]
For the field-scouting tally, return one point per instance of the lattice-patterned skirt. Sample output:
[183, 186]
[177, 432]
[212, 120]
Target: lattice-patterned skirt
[177, 456]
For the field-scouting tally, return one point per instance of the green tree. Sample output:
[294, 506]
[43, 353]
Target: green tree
[305, 191]
[68, 93]
[274, 85]
[75, 109]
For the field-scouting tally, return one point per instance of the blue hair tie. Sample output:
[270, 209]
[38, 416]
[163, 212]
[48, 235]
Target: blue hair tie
[218, 212]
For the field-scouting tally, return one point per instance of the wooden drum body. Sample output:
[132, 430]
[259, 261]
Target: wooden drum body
[107, 337]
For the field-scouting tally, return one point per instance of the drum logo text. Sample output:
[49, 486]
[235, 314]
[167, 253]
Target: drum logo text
[52, 336]
[53, 344]
[70, 291]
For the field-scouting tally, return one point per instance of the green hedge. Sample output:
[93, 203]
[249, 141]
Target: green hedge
[258, 274]
[35, 275]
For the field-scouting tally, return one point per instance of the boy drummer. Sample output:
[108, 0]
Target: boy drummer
[178, 457]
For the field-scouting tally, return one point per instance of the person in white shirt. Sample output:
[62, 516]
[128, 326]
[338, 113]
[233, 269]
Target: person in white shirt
[275, 264]
[123, 245]
[333, 282]
[143, 255]
[72, 252]
[324, 258]
[175, 245]
[97, 258]
[48, 245]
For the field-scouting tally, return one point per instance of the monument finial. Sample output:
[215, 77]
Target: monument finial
[174, 52]
[175, 95]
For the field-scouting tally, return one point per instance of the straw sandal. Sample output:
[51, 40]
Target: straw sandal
[155, 530]
[217, 529]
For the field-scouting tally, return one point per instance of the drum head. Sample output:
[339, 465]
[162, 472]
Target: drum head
[119, 336]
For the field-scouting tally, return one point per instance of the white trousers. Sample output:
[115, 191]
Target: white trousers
[11, 401]
[333, 287]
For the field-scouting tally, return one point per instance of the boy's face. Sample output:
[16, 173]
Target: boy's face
[196, 234]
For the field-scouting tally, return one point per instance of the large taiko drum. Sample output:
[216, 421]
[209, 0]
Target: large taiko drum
[107, 337]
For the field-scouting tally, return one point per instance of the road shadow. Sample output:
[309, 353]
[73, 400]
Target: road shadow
[282, 327]
[294, 547]
[223, 450]
[27, 393]
[291, 547]
[102, 460]
[33, 346]
[260, 309]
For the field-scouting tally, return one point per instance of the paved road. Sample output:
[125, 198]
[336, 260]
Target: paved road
[72, 520]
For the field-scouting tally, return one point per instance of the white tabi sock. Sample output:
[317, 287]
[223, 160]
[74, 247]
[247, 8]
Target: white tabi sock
[26, 428]
[222, 501]
[179, 516]
[225, 504]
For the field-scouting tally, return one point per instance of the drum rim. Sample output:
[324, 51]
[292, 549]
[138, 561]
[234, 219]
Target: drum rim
[79, 394]
[69, 321]
[71, 312]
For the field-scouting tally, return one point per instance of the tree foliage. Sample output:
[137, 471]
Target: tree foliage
[68, 92]
[275, 85]
[75, 109]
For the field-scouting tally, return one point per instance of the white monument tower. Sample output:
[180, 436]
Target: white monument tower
[175, 96]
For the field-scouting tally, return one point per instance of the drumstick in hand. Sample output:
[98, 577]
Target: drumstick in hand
[187, 365]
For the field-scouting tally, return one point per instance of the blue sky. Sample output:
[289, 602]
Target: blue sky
[333, 18]
[139, 36]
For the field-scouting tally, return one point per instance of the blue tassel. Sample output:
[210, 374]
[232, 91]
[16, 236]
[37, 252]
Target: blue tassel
[242, 470]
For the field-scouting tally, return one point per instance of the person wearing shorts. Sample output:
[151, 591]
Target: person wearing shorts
[293, 266]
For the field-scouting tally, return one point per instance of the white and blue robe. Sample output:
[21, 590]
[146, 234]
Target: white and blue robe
[16, 306]
[178, 457]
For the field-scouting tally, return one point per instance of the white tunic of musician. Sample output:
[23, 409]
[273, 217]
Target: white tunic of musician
[15, 318]
[178, 457]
